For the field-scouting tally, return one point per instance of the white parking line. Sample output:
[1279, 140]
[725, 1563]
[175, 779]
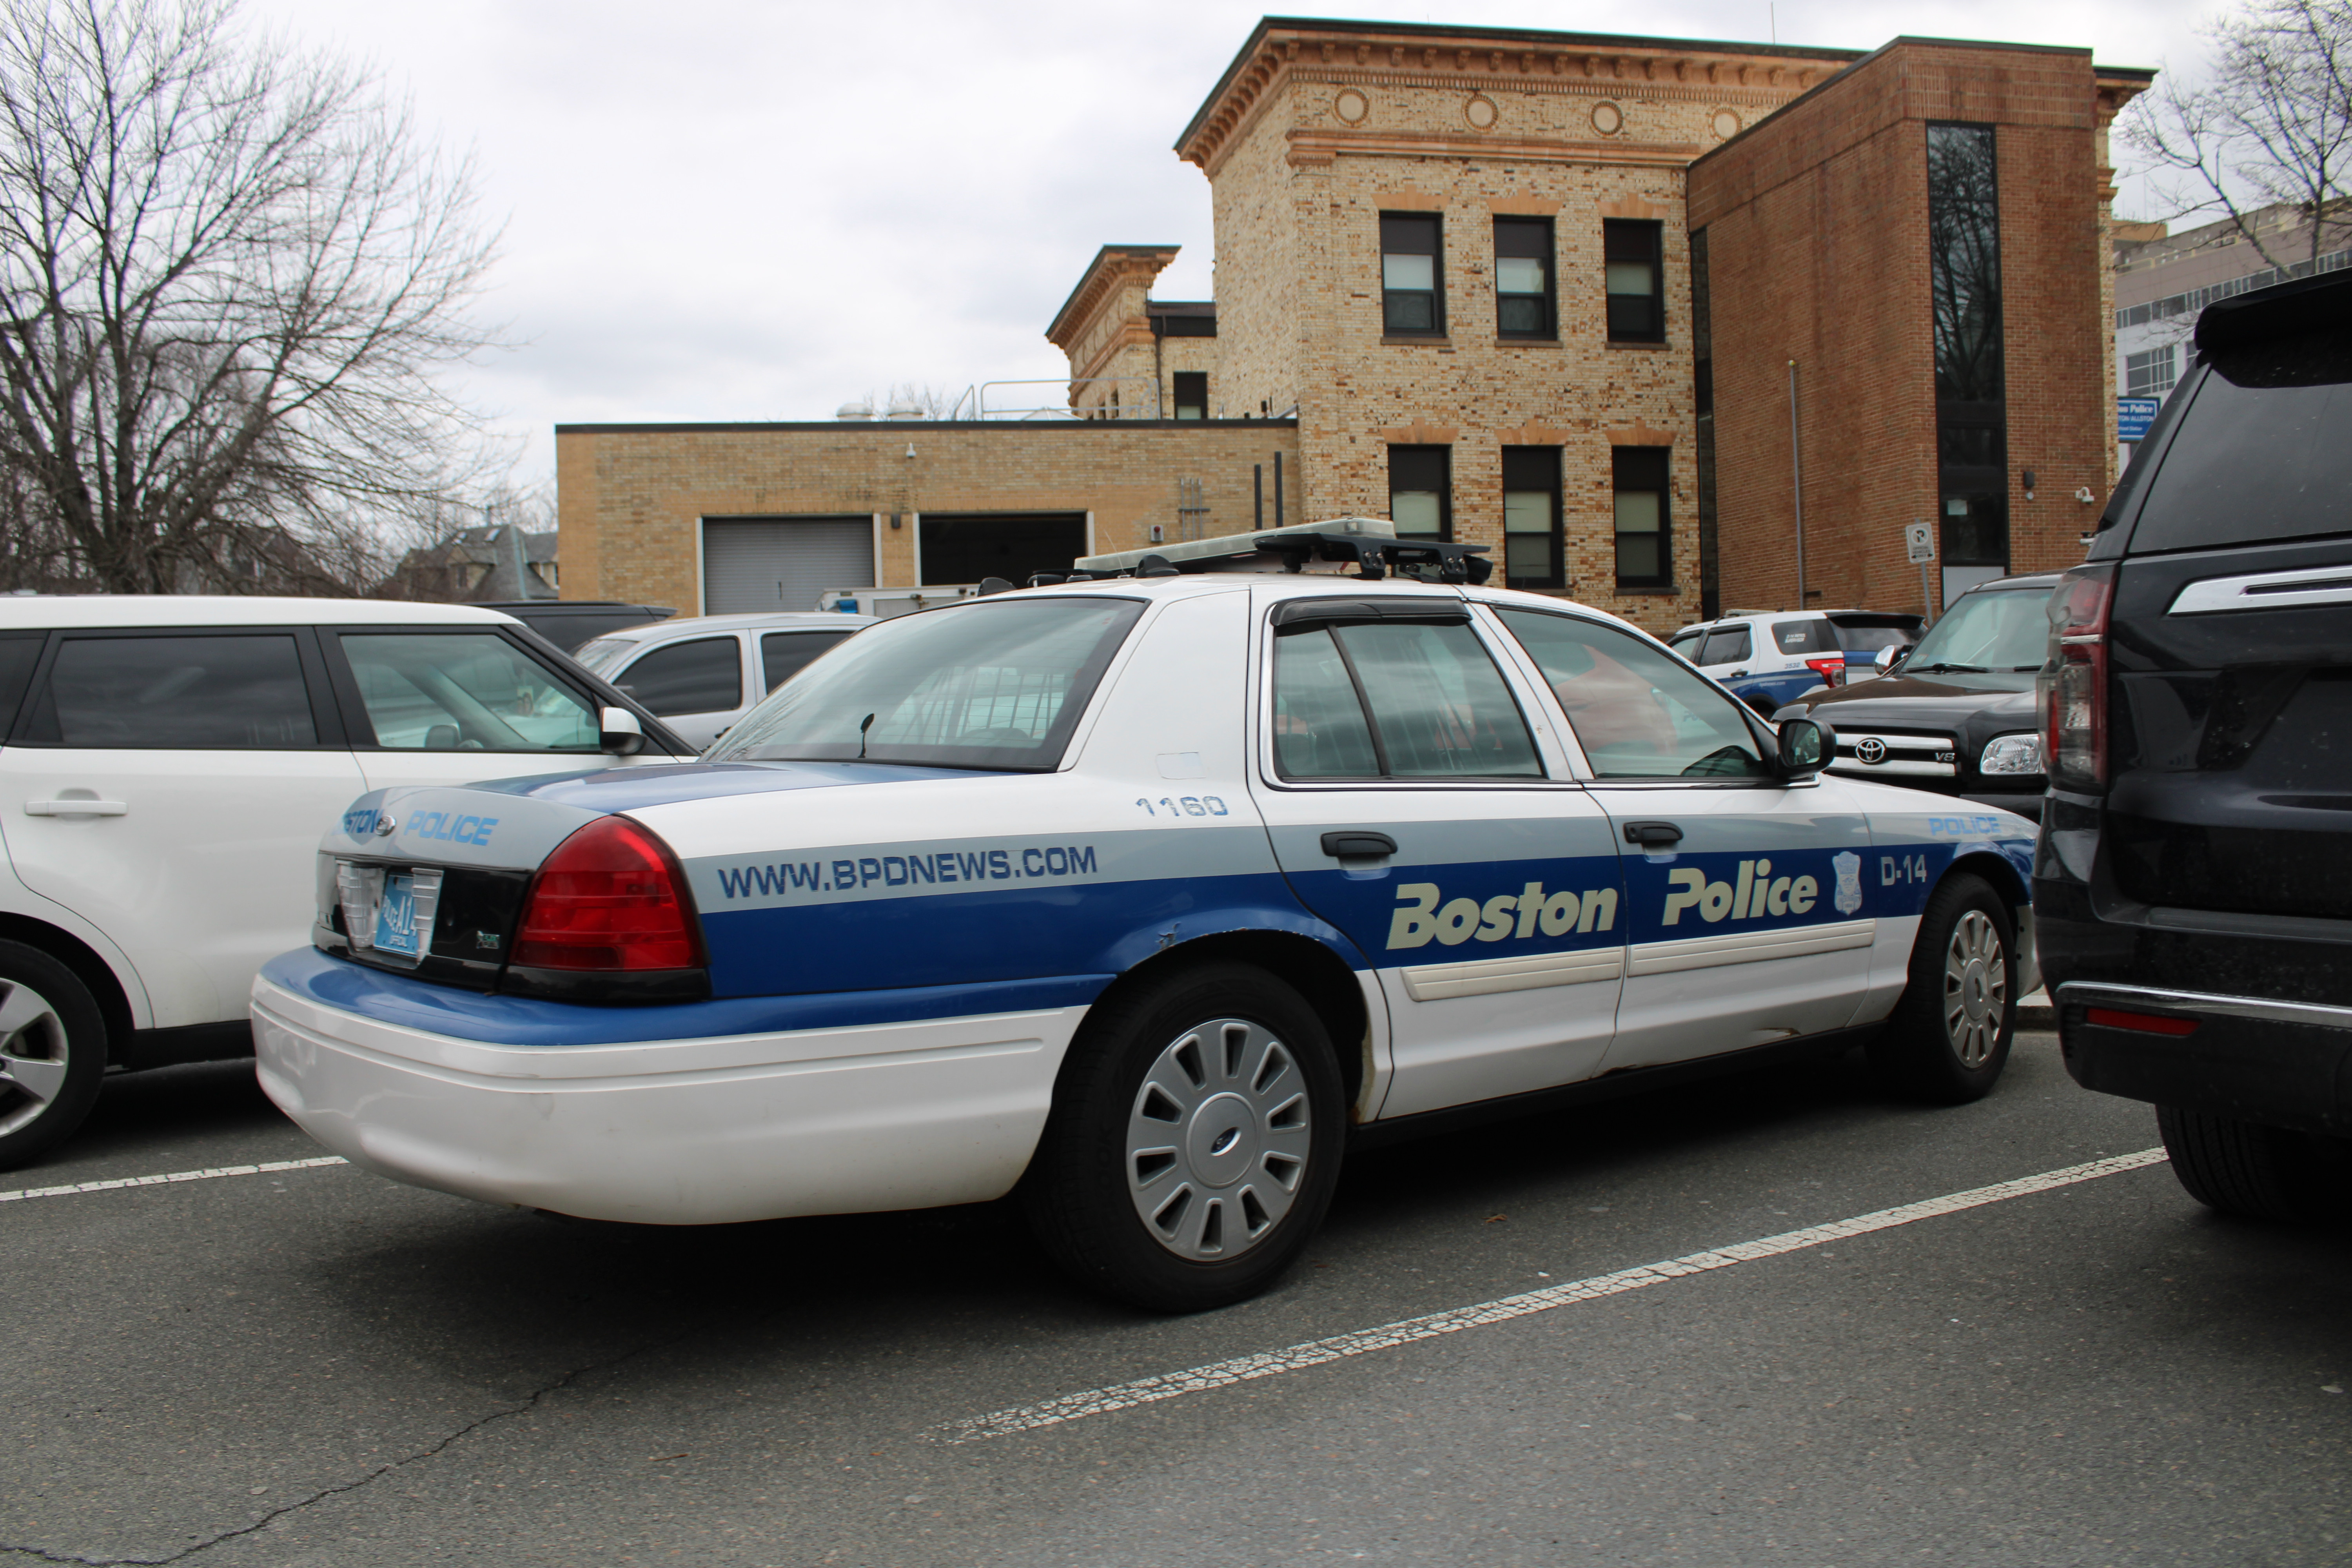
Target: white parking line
[168, 1177]
[1315, 1352]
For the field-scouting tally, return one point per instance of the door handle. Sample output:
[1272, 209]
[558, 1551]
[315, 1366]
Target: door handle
[1647, 833]
[75, 809]
[1735, 674]
[1358, 843]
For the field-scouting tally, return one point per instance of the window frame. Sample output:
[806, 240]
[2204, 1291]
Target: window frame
[1435, 292]
[1655, 230]
[1545, 250]
[1444, 457]
[327, 725]
[1618, 457]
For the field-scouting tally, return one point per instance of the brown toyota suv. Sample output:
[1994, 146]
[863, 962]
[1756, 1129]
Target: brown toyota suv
[2193, 879]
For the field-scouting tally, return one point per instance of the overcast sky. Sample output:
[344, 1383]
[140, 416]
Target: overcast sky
[732, 210]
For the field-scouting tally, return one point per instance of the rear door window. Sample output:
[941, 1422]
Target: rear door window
[1433, 705]
[784, 655]
[464, 691]
[2264, 451]
[1728, 646]
[243, 692]
[1808, 636]
[705, 676]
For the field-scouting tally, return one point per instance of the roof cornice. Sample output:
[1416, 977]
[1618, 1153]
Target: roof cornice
[1280, 46]
[1112, 265]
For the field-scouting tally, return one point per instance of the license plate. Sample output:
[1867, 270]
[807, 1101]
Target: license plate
[395, 915]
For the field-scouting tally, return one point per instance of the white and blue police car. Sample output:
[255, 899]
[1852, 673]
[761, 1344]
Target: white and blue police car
[1146, 897]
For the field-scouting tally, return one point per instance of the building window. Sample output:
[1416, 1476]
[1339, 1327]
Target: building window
[1192, 393]
[1645, 541]
[1523, 282]
[2152, 374]
[1531, 546]
[1411, 296]
[1972, 400]
[1637, 283]
[1421, 491]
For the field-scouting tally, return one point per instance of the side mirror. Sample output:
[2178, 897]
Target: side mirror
[1806, 747]
[620, 733]
[1888, 657]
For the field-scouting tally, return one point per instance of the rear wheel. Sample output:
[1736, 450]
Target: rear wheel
[1949, 1037]
[2258, 1172]
[52, 1052]
[1194, 1142]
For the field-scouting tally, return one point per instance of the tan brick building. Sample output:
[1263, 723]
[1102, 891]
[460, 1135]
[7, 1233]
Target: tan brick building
[1454, 284]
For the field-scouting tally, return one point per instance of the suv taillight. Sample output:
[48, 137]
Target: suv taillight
[2073, 679]
[612, 897]
[1831, 670]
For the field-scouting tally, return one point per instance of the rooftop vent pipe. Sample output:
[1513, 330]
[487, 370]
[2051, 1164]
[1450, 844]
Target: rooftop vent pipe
[854, 411]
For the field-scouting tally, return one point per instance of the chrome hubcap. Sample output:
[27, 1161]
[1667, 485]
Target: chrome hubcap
[1976, 989]
[1217, 1140]
[31, 1056]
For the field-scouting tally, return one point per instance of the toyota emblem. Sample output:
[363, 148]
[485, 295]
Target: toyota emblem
[1870, 750]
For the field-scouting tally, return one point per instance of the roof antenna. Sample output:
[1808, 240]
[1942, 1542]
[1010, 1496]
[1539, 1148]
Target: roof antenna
[1772, 20]
[861, 736]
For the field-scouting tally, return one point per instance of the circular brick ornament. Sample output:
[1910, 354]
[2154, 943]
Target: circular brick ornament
[1351, 106]
[1608, 119]
[1727, 124]
[1481, 112]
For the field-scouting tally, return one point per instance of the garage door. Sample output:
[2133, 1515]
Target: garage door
[781, 562]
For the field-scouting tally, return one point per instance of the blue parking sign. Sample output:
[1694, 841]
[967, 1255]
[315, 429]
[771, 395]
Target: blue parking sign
[2134, 416]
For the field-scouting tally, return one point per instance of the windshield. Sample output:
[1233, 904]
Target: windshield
[2005, 631]
[978, 685]
[598, 658]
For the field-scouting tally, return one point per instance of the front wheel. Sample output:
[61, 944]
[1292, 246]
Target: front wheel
[1949, 1037]
[1194, 1142]
[52, 1052]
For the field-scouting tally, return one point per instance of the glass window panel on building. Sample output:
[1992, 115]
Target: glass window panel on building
[1523, 277]
[2151, 372]
[1645, 553]
[1421, 485]
[1411, 297]
[1531, 539]
[1630, 250]
[1971, 407]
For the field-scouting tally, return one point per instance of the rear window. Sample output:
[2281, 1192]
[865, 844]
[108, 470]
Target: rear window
[1869, 637]
[1804, 637]
[978, 686]
[2264, 451]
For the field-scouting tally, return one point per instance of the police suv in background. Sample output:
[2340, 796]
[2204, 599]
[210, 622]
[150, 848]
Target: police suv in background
[169, 764]
[1147, 896]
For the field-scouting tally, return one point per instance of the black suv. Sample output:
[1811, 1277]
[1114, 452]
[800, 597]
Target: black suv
[2194, 881]
[570, 624]
[1956, 715]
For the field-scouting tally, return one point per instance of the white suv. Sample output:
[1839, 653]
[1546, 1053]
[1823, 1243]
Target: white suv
[703, 673]
[168, 766]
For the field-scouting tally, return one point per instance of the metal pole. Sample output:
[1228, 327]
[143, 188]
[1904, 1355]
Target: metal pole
[1277, 489]
[1257, 495]
[1797, 482]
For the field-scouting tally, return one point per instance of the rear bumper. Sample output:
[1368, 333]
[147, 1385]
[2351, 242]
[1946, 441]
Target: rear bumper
[2285, 1064]
[689, 1132]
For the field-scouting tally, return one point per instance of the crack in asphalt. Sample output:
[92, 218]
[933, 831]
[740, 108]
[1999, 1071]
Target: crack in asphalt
[529, 1403]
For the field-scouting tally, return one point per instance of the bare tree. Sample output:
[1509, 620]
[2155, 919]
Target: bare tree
[229, 274]
[2271, 124]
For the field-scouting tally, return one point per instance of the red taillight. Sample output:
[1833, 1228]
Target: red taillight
[1831, 670]
[2139, 1022]
[2074, 681]
[610, 897]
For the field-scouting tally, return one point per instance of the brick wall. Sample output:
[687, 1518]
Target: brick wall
[1816, 227]
[630, 497]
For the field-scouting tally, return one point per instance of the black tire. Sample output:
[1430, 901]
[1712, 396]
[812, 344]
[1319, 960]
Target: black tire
[1240, 1188]
[2255, 1171]
[52, 1053]
[1948, 1036]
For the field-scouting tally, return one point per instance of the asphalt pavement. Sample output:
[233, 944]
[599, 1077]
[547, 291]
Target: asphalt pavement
[315, 1366]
